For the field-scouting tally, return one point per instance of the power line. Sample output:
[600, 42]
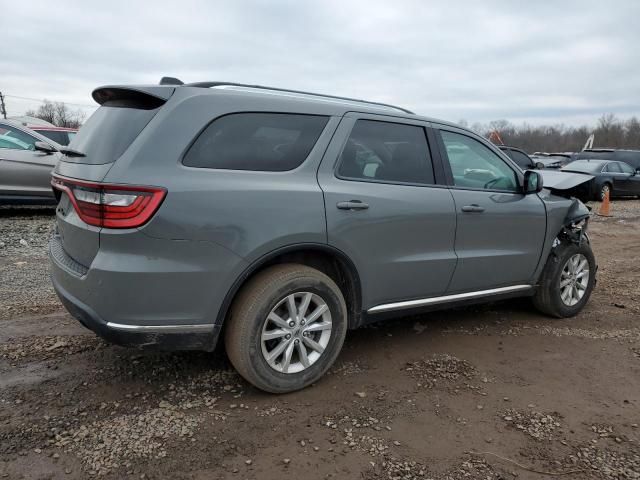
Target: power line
[3, 110]
[43, 100]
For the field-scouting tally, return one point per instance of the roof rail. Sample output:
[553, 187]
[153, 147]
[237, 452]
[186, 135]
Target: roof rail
[261, 87]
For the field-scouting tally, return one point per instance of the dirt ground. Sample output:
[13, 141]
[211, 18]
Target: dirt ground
[491, 392]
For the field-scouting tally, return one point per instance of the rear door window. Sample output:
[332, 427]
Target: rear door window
[386, 152]
[272, 142]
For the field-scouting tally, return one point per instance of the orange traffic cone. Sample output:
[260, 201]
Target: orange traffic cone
[604, 206]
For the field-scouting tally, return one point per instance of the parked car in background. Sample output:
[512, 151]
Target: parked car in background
[25, 171]
[631, 157]
[615, 178]
[553, 160]
[281, 218]
[524, 161]
[60, 135]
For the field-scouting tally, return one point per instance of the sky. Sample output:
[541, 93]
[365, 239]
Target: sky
[540, 62]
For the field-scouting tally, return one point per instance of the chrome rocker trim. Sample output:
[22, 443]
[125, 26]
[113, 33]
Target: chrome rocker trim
[387, 307]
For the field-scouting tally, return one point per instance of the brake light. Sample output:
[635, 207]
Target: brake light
[111, 206]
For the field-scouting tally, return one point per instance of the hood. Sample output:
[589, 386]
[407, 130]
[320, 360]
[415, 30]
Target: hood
[555, 180]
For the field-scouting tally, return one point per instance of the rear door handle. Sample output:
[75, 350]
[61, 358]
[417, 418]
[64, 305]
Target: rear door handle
[474, 208]
[352, 205]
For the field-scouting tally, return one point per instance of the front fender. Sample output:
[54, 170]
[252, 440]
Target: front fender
[567, 220]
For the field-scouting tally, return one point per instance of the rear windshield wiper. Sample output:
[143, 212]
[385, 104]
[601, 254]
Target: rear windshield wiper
[70, 152]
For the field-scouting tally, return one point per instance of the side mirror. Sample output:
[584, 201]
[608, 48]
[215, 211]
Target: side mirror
[637, 171]
[532, 182]
[540, 166]
[44, 147]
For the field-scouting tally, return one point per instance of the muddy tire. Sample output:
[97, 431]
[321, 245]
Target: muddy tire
[286, 328]
[567, 280]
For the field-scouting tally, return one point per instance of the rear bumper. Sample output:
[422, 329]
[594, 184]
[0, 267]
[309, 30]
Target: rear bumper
[162, 337]
[136, 300]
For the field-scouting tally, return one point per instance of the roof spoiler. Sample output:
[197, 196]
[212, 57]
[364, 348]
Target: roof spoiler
[143, 97]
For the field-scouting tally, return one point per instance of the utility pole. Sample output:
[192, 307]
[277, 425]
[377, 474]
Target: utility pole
[3, 109]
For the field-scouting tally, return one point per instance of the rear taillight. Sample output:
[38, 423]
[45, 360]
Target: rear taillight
[111, 206]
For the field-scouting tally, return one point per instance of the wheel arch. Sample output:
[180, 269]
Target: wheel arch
[329, 260]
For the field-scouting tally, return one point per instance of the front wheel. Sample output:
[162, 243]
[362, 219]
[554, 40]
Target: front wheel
[287, 327]
[606, 189]
[567, 280]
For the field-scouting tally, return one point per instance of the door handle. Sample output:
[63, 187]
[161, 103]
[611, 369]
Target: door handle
[352, 205]
[474, 208]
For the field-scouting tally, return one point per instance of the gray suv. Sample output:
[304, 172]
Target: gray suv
[280, 219]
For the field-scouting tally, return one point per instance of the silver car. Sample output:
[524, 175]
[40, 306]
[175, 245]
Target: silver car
[25, 171]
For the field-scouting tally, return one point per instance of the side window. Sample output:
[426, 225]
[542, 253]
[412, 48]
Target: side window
[474, 165]
[613, 167]
[386, 152]
[274, 142]
[15, 139]
[521, 159]
[626, 168]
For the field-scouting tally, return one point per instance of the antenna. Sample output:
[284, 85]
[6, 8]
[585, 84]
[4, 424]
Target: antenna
[171, 81]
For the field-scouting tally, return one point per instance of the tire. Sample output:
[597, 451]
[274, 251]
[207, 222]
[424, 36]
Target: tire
[252, 317]
[549, 295]
[606, 187]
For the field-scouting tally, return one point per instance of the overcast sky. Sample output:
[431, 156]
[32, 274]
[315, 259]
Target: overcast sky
[534, 61]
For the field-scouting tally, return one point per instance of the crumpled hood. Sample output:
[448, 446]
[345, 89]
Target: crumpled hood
[554, 180]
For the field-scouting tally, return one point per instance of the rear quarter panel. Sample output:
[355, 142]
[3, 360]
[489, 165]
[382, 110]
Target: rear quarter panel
[250, 213]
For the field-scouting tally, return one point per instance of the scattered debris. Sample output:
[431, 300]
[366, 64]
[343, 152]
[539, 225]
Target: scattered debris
[440, 367]
[540, 426]
[47, 347]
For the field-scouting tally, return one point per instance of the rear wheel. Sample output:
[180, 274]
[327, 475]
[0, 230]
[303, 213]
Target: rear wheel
[567, 280]
[606, 189]
[287, 327]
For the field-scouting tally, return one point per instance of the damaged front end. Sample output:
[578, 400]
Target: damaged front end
[575, 228]
[567, 215]
[568, 185]
[572, 187]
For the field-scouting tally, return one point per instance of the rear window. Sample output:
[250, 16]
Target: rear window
[599, 155]
[274, 142]
[108, 133]
[60, 137]
[585, 166]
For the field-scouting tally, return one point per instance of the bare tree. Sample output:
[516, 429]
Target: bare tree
[59, 114]
[609, 132]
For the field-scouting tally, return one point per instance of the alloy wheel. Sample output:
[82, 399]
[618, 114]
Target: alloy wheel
[574, 279]
[296, 332]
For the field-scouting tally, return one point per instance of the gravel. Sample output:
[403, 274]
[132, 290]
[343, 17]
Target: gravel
[47, 347]
[606, 463]
[540, 426]
[109, 444]
[440, 367]
[24, 266]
